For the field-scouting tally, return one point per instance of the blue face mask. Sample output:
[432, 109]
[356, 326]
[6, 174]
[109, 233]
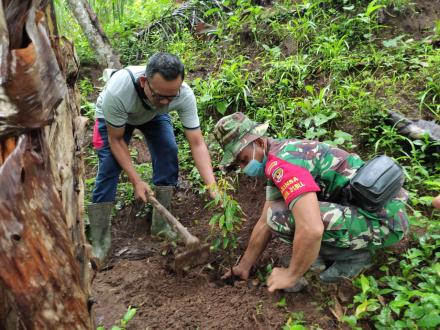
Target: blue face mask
[254, 167]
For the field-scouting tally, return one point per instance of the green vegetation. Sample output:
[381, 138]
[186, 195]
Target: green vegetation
[225, 222]
[131, 312]
[318, 69]
[295, 321]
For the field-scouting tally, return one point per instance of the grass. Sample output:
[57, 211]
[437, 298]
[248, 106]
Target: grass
[323, 70]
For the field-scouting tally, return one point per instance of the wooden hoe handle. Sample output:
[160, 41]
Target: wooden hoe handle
[189, 240]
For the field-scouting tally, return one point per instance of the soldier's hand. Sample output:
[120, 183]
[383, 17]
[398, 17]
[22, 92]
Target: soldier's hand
[239, 271]
[140, 190]
[280, 278]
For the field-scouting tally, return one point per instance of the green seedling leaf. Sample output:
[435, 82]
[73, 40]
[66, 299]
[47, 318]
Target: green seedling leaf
[430, 321]
[225, 242]
[221, 107]
[214, 219]
[129, 314]
[415, 312]
[216, 243]
[282, 302]
[392, 42]
[365, 284]
[222, 221]
[211, 11]
[351, 320]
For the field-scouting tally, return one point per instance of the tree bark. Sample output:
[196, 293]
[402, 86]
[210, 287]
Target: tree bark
[92, 29]
[44, 255]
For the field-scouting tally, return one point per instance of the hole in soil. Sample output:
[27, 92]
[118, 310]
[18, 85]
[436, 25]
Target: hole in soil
[16, 237]
[22, 175]
[215, 276]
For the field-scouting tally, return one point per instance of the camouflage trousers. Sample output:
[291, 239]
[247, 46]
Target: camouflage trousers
[348, 226]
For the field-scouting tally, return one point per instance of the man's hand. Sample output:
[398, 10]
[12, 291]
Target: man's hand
[280, 278]
[239, 270]
[140, 190]
[213, 191]
[436, 202]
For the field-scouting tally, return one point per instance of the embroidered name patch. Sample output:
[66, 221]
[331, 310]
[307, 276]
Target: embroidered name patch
[292, 180]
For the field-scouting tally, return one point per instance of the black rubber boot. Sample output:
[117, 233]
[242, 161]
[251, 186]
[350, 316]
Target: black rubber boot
[347, 263]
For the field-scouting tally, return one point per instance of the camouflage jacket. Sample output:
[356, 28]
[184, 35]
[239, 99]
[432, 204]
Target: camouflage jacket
[295, 167]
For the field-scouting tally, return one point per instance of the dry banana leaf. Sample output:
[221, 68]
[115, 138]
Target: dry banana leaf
[31, 84]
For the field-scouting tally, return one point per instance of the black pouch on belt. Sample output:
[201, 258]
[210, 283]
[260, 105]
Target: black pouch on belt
[375, 183]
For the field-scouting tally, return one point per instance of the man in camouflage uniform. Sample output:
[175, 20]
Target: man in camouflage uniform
[306, 205]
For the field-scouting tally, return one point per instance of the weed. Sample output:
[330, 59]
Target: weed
[128, 316]
[409, 297]
[264, 273]
[295, 321]
[229, 89]
[282, 303]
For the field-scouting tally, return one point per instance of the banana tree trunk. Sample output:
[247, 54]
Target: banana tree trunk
[92, 29]
[44, 256]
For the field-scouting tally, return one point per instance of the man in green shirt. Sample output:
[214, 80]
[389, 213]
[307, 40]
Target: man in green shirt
[305, 204]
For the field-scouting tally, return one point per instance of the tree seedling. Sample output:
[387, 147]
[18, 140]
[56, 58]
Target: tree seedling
[225, 222]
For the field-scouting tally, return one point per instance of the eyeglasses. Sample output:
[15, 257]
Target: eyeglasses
[159, 97]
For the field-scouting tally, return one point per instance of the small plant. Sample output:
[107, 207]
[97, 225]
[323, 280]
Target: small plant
[263, 274]
[131, 312]
[295, 321]
[86, 88]
[282, 303]
[259, 307]
[231, 87]
[406, 297]
[225, 222]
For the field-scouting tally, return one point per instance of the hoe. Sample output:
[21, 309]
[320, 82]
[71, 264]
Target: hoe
[196, 253]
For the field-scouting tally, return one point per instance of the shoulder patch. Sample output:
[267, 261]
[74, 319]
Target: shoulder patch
[272, 164]
[277, 175]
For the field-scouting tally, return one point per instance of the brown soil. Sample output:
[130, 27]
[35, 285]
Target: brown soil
[140, 276]
[417, 21]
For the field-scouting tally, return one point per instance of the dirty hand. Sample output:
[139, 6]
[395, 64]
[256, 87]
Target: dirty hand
[280, 278]
[140, 190]
[239, 271]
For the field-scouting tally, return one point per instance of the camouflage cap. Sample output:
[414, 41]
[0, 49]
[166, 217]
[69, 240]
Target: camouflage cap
[234, 132]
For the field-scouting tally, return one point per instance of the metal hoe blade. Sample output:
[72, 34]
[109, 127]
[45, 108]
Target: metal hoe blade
[193, 257]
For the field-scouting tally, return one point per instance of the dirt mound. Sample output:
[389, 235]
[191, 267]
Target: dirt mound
[417, 21]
